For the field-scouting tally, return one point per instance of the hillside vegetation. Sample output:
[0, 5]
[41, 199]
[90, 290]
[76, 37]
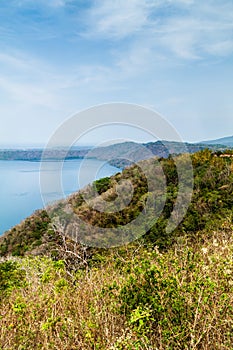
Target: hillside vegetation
[161, 291]
[211, 201]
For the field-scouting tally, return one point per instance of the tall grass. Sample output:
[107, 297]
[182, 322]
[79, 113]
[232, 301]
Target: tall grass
[134, 298]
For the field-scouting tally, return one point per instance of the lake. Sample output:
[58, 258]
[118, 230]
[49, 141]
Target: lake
[20, 189]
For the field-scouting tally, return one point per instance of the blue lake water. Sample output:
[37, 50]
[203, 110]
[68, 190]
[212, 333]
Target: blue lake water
[20, 188]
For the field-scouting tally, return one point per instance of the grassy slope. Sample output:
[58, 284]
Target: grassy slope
[159, 292]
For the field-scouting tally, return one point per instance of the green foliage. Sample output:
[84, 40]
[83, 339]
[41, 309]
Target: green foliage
[11, 276]
[165, 297]
[26, 236]
[102, 185]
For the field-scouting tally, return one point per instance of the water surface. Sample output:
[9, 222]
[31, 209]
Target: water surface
[20, 190]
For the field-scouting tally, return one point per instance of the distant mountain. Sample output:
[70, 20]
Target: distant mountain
[120, 154]
[126, 153]
[225, 141]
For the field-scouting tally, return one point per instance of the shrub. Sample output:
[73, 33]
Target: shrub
[11, 276]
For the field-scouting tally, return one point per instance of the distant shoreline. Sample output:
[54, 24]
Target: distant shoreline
[119, 155]
[40, 154]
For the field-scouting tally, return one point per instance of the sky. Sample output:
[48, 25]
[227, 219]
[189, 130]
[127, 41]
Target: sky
[59, 57]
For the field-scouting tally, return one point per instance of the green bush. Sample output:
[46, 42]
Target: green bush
[102, 185]
[11, 276]
[163, 298]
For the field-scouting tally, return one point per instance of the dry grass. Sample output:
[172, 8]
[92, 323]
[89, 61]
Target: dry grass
[54, 311]
[51, 313]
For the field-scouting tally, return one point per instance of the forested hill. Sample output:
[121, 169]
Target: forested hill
[212, 201]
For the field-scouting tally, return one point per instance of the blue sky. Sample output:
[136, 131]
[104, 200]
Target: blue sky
[58, 57]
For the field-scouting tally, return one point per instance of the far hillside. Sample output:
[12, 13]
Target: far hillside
[225, 141]
[119, 154]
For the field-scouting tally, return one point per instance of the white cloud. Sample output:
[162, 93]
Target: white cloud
[13, 61]
[31, 81]
[27, 93]
[187, 29]
[118, 19]
[27, 80]
[202, 30]
[223, 48]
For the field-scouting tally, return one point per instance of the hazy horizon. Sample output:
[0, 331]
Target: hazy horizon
[85, 145]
